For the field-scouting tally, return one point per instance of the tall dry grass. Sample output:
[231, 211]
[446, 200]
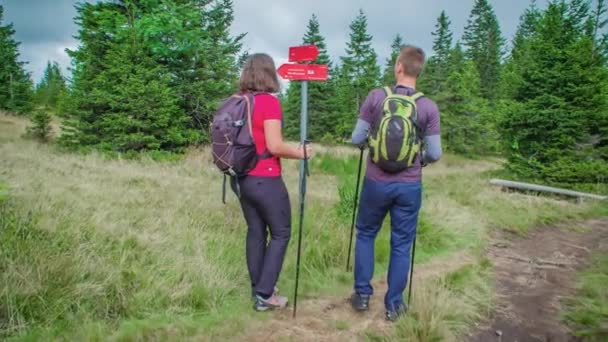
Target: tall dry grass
[98, 248]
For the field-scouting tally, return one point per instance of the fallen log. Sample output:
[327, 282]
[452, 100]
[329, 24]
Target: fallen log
[542, 188]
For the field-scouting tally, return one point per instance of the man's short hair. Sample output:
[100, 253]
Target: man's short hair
[412, 59]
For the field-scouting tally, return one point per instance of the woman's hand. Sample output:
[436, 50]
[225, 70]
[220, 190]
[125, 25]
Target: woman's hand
[306, 151]
[276, 146]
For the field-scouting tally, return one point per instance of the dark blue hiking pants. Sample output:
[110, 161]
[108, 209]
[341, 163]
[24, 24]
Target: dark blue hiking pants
[402, 201]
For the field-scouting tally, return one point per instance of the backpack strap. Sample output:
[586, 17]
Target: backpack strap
[250, 100]
[416, 96]
[388, 91]
[265, 155]
[224, 189]
[251, 103]
[234, 180]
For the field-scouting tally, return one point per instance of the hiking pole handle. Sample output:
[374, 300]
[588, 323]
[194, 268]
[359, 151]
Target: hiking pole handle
[306, 169]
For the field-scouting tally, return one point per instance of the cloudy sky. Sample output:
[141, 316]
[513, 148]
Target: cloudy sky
[46, 27]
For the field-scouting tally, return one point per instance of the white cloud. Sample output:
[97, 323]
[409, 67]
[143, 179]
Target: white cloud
[38, 54]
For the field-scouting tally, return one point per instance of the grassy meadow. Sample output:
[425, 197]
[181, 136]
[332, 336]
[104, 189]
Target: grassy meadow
[99, 248]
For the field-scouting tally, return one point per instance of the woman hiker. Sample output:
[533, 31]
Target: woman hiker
[263, 195]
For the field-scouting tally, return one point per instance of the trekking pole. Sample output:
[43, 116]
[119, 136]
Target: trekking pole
[409, 296]
[300, 228]
[303, 175]
[352, 226]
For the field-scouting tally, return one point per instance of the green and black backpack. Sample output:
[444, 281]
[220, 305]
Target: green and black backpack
[396, 140]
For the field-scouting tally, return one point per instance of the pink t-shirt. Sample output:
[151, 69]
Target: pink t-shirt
[266, 107]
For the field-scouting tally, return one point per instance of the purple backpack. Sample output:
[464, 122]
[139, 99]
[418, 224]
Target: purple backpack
[233, 147]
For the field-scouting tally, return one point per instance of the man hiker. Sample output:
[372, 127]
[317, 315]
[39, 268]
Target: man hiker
[398, 122]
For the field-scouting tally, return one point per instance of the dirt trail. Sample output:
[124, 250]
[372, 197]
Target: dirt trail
[332, 319]
[533, 274]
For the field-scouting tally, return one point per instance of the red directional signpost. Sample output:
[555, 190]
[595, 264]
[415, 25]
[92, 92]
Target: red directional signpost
[305, 53]
[304, 73]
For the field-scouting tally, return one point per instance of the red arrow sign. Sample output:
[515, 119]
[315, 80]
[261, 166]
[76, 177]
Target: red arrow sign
[305, 53]
[303, 72]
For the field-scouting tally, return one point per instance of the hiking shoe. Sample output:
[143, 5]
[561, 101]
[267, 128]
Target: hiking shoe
[254, 295]
[393, 316]
[360, 302]
[274, 302]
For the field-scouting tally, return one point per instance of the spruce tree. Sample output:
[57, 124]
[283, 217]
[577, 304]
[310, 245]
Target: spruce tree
[484, 43]
[359, 72]
[559, 133]
[388, 78]
[360, 63]
[41, 126]
[192, 39]
[51, 87]
[461, 127]
[15, 82]
[321, 122]
[121, 98]
[342, 103]
[457, 59]
[467, 127]
[437, 70]
[517, 61]
[442, 44]
[526, 28]
[151, 119]
[186, 65]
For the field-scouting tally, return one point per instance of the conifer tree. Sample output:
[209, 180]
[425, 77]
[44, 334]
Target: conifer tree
[467, 127]
[15, 82]
[442, 44]
[517, 61]
[457, 59]
[359, 73]
[460, 119]
[343, 105]
[40, 128]
[388, 78]
[186, 64]
[559, 132]
[484, 43]
[437, 70]
[192, 39]
[360, 62]
[526, 28]
[51, 87]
